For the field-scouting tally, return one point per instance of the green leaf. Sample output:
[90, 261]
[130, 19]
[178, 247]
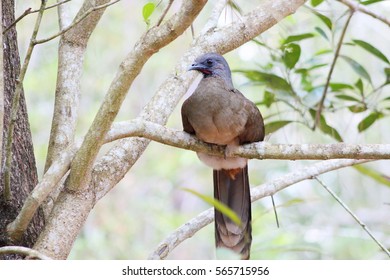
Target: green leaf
[375, 175]
[259, 43]
[147, 11]
[315, 3]
[300, 37]
[269, 98]
[387, 73]
[305, 71]
[292, 52]
[339, 86]
[369, 2]
[235, 6]
[347, 97]
[274, 126]
[359, 86]
[322, 33]
[324, 19]
[357, 67]
[221, 207]
[325, 128]
[324, 51]
[369, 120]
[371, 49]
[272, 81]
[357, 108]
[292, 202]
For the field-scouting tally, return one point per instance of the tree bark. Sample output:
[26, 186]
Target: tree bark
[23, 169]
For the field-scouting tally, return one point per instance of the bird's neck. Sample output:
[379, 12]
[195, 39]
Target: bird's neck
[226, 80]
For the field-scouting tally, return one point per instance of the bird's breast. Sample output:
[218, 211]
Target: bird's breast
[216, 116]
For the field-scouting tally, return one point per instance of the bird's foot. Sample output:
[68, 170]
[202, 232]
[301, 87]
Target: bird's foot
[230, 151]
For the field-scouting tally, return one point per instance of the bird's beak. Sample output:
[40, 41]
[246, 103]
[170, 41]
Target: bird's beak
[197, 67]
[200, 67]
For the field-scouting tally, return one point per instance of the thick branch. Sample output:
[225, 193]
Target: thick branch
[203, 219]
[260, 150]
[156, 38]
[183, 140]
[71, 54]
[70, 66]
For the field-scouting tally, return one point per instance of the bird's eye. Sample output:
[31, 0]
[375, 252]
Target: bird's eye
[209, 62]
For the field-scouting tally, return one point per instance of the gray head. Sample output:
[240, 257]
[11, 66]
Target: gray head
[213, 64]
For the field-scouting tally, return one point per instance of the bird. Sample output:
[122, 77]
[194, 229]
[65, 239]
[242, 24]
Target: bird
[217, 113]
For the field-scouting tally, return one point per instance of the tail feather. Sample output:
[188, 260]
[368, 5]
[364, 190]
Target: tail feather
[231, 187]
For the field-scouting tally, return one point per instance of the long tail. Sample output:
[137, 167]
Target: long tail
[231, 187]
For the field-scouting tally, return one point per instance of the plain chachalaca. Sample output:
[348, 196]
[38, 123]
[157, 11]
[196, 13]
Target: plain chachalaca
[217, 113]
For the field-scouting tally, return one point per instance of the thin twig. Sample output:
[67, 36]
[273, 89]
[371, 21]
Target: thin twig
[29, 11]
[356, 6]
[87, 13]
[165, 12]
[364, 226]
[30, 253]
[25, 13]
[15, 105]
[336, 56]
[275, 212]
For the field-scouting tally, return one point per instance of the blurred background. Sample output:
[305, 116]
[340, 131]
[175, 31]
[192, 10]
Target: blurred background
[149, 203]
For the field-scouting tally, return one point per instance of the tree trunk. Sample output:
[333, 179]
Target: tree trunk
[23, 170]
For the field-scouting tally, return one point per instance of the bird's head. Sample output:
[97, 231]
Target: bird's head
[212, 64]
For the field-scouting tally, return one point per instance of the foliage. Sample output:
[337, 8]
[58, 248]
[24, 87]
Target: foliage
[354, 94]
[147, 11]
[295, 74]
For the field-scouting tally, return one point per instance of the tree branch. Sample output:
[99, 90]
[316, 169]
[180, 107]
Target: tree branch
[356, 6]
[191, 227]
[32, 254]
[259, 150]
[71, 54]
[183, 140]
[15, 105]
[64, 18]
[30, 11]
[332, 66]
[70, 67]
[164, 12]
[78, 19]
[356, 218]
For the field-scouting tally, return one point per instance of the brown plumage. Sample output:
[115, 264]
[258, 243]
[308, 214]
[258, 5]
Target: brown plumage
[219, 114]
